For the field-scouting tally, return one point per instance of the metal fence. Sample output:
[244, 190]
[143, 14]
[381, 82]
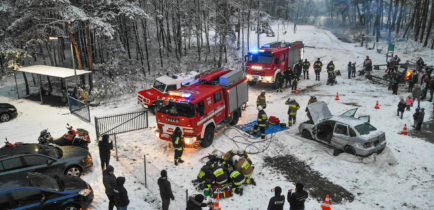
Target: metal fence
[79, 108]
[121, 123]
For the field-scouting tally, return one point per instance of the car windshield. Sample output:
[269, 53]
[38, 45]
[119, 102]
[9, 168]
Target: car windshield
[260, 59]
[159, 86]
[178, 109]
[365, 128]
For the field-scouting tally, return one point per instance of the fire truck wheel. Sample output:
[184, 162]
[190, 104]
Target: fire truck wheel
[235, 118]
[152, 109]
[208, 136]
[251, 83]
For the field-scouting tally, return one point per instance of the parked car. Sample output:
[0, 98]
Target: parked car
[7, 112]
[19, 159]
[39, 191]
[344, 132]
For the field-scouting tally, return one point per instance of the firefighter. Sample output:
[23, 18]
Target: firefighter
[367, 65]
[293, 106]
[228, 157]
[330, 67]
[244, 166]
[306, 65]
[261, 123]
[317, 67]
[298, 68]
[311, 101]
[238, 179]
[220, 176]
[205, 176]
[294, 82]
[261, 100]
[288, 77]
[280, 82]
[178, 144]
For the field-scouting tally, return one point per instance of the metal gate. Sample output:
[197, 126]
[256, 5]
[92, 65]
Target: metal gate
[121, 123]
[79, 108]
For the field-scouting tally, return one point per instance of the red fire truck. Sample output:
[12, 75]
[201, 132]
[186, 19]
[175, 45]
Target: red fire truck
[203, 108]
[161, 86]
[269, 62]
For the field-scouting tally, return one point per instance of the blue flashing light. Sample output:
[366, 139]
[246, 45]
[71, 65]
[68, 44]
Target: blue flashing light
[174, 77]
[254, 51]
[266, 45]
[186, 95]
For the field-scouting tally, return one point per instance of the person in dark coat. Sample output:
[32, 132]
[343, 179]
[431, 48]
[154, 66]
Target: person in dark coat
[109, 181]
[104, 150]
[415, 116]
[178, 145]
[317, 67]
[121, 194]
[401, 107]
[420, 117]
[165, 190]
[195, 202]
[417, 92]
[298, 68]
[306, 65]
[296, 199]
[349, 70]
[353, 69]
[431, 89]
[276, 202]
[288, 77]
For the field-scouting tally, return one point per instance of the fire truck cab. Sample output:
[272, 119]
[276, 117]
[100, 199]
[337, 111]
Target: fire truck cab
[161, 86]
[269, 62]
[203, 108]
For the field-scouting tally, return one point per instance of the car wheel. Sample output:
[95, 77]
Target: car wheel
[306, 134]
[4, 117]
[251, 83]
[71, 207]
[235, 118]
[73, 171]
[208, 136]
[350, 150]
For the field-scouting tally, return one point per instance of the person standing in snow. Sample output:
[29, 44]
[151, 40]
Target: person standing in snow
[296, 199]
[415, 116]
[401, 107]
[294, 82]
[409, 102]
[288, 76]
[306, 65]
[261, 122]
[349, 70]
[261, 100]
[420, 117]
[178, 145]
[412, 79]
[298, 68]
[104, 151]
[280, 82]
[276, 202]
[367, 65]
[109, 181]
[417, 92]
[330, 67]
[293, 106]
[317, 67]
[165, 190]
[121, 195]
[353, 70]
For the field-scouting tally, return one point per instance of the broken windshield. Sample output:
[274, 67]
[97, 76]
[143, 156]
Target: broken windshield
[178, 109]
[260, 59]
[159, 86]
[365, 128]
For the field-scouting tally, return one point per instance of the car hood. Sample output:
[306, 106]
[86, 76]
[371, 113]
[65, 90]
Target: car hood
[5, 105]
[73, 183]
[319, 111]
[73, 151]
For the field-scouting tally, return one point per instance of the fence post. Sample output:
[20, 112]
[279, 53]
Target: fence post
[147, 123]
[144, 165]
[116, 146]
[186, 196]
[96, 129]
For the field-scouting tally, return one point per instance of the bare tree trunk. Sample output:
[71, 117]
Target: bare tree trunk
[418, 17]
[410, 23]
[430, 24]
[424, 19]
[75, 45]
[158, 35]
[248, 24]
[401, 11]
[89, 56]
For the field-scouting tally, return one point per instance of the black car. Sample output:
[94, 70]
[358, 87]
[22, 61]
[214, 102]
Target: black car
[39, 191]
[7, 112]
[19, 159]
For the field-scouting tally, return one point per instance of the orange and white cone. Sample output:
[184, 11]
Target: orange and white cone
[404, 131]
[377, 106]
[337, 96]
[297, 92]
[216, 204]
[326, 204]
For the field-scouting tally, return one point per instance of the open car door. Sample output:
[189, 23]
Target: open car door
[349, 113]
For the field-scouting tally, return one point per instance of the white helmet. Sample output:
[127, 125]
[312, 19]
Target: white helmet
[260, 108]
[263, 91]
[235, 159]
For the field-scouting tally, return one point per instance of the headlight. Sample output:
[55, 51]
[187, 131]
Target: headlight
[249, 76]
[84, 192]
[256, 67]
[189, 140]
[268, 79]
[157, 133]
[12, 109]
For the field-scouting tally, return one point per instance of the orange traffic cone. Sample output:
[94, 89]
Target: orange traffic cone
[337, 96]
[326, 204]
[404, 131]
[377, 106]
[216, 204]
[297, 92]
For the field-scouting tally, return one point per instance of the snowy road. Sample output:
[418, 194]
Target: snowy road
[383, 181]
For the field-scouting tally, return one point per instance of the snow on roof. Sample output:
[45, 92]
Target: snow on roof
[52, 71]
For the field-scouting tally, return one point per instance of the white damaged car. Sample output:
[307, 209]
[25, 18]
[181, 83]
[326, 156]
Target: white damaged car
[344, 132]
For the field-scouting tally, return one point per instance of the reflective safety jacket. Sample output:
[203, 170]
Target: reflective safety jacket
[244, 166]
[306, 65]
[237, 178]
[330, 67]
[293, 106]
[261, 101]
[317, 65]
[262, 119]
[178, 142]
[220, 176]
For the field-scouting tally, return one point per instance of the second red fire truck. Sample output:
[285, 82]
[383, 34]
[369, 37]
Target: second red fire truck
[203, 108]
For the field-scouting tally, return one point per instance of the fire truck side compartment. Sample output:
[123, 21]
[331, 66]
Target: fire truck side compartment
[238, 95]
[231, 78]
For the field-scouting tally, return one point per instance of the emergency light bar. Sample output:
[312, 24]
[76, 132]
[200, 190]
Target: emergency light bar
[179, 94]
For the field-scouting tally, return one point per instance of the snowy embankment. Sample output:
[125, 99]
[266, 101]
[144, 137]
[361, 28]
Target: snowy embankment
[400, 177]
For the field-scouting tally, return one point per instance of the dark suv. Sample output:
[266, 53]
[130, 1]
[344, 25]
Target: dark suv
[48, 159]
[7, 112]
[38, 191]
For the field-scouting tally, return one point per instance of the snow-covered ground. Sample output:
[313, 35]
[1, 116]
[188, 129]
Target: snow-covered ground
[400, 177]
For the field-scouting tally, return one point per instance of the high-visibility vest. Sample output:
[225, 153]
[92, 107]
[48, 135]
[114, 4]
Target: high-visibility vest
[237, 178]
[219, 174]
